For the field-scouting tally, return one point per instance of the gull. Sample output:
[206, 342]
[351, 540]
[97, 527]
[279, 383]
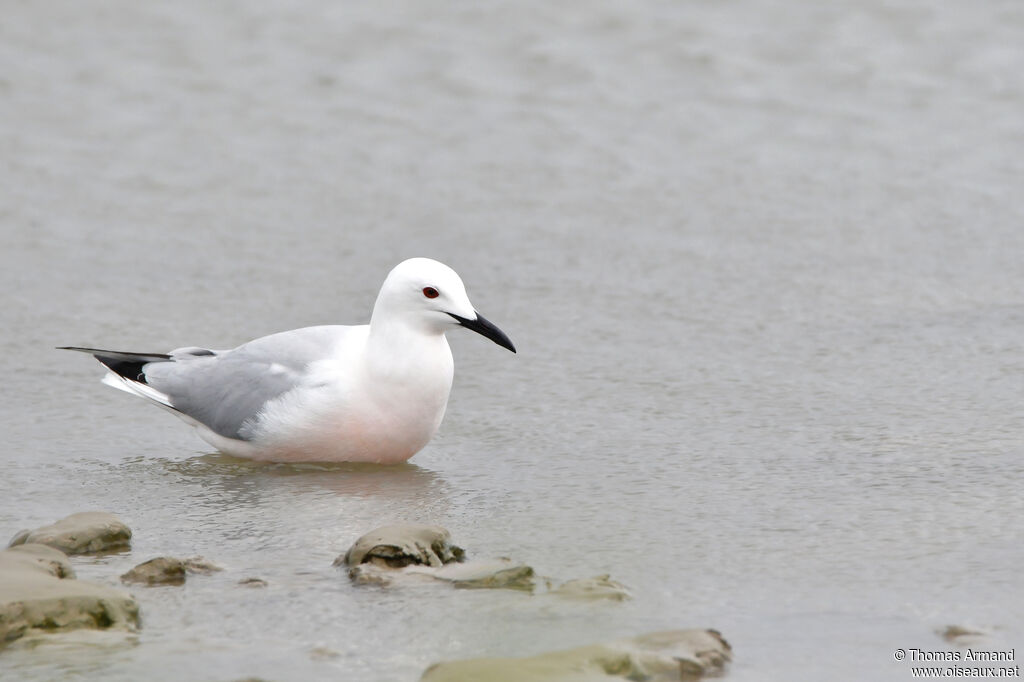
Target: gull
[332, 393]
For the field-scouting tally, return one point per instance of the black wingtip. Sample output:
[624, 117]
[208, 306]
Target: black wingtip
[125, 364]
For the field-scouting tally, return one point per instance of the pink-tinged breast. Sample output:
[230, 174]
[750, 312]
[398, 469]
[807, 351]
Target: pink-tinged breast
[380, 440]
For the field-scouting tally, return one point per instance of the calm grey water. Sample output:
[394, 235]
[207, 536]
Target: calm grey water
[762, 260]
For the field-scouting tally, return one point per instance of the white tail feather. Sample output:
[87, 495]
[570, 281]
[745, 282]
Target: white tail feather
[142, 390]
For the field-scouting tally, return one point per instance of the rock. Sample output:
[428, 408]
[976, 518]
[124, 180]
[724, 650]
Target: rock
[169, 571]
[37, 592]
[591, 589]
[82, 533]
[403, 545]
[483, 574]
[961, 635]
[323, 653]
[390, 552]
[20, 538]
[201, 565]
[253, 582]
[671, 655]
[48, 559]
[380, 555]
[370, 574]
[160, 571]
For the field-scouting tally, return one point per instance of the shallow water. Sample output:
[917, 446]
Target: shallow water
[761, 261]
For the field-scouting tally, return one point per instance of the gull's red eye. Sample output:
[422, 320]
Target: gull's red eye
[430, 292]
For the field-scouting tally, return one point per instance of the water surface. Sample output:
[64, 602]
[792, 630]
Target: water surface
[761, 261]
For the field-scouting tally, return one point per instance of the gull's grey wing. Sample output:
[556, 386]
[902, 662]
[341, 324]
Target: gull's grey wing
[224, 389]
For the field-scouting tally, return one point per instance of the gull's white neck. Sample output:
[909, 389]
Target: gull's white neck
[409, 358]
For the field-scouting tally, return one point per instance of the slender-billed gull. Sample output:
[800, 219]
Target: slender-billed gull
[368, 393]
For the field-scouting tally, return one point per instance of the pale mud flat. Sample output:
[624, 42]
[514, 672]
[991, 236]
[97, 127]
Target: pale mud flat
[761, 263]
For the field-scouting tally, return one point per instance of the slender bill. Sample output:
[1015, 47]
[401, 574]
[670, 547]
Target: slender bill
[481, 325]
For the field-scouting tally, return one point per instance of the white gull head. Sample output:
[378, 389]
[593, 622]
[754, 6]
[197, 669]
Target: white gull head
[429, 296]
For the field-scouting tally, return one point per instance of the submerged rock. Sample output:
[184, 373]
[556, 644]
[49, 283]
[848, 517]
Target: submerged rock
[403, 545]
[253, 582]
[48, 559]
[38, 592]
[201, 565]
[160, 571]
[671, 655]
[403, 550]
[323, 653]
[484, 574]
[592, 589]
[167, 570]
[962, 635]
[81, 533]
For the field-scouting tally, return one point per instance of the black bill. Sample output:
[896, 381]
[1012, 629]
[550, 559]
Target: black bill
[481, 325]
